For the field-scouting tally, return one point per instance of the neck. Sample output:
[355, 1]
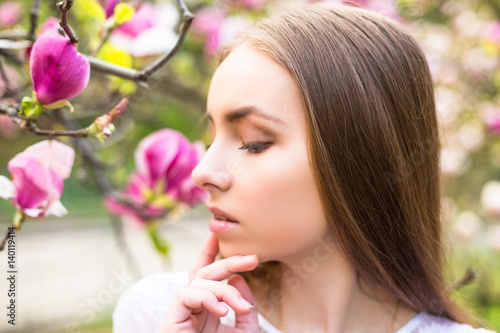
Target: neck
[320, 292]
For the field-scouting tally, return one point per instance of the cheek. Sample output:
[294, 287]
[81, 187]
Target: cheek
[283, 204]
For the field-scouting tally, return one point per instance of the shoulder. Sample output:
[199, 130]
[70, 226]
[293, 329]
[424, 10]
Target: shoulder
[144, 305]
[427, 323]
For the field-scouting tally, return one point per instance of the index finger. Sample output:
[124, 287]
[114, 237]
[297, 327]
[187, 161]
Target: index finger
[208, 252]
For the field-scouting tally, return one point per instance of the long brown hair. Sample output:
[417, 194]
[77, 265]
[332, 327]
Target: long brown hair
[373, 142]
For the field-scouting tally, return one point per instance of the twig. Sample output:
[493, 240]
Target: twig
[64, 7]
[6, 236]
[103, 40]
[117, 226]
[12, 56]
[141, 76]
[32, 127]
[187, 18]
[87, 152]
[33, 20]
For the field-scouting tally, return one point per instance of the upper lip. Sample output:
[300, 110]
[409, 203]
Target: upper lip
[217, 211]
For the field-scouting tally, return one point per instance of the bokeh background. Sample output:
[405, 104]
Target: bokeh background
[73, 269]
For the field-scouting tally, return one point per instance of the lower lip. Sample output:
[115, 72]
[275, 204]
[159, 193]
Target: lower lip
[218, 226]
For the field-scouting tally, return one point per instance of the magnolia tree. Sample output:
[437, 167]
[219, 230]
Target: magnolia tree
[74, 73]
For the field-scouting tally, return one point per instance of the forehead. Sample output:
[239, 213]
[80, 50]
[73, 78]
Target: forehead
[251, 77]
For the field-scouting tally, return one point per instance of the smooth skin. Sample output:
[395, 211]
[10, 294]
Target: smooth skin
[197, 308]
[270, 190]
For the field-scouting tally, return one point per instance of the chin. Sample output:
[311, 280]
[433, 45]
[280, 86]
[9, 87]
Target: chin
[230, 249]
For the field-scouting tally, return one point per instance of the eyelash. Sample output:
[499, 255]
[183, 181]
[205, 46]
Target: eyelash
[253, 148]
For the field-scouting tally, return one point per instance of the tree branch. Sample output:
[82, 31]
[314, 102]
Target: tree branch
[33, 20]
[139, 76]
[187, 18]
[64, 7]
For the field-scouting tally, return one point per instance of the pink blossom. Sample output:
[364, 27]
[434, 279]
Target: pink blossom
[164, 161]
[142, 20]
[134, 193]
[37, 179]
[50, 26]
[10, 13]
[166, 156]
[494, 125]
[8, 129]
[57, 70]
[209, 21]
[151, 30]
[109, 7]
[491, 31]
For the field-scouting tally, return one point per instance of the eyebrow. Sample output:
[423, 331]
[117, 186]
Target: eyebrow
[244, 111]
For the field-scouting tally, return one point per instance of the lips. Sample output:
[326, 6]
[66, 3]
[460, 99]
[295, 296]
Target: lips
[221, 215]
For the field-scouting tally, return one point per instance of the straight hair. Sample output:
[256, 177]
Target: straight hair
[373, 143]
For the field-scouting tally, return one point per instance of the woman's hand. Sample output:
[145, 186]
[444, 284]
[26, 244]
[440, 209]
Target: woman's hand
[197, 309]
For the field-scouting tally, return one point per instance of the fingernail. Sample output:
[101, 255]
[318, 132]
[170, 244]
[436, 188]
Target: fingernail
[222, 308]
[244, 303]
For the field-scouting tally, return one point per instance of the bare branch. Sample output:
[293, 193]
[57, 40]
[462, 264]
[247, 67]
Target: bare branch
[187, 18]
[64, 7]
[105, 67]
[33, 20]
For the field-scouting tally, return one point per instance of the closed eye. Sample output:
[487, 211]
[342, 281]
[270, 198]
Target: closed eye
[255, 148]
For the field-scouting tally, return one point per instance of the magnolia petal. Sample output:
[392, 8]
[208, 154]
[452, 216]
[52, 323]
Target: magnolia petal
[57, 70]
[56, 209]
[59, 104]
[7, 189]
[54, 154]
[33, 213]
[142, 20]
[31, 179]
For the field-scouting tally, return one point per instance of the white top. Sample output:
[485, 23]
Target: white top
[143, 307]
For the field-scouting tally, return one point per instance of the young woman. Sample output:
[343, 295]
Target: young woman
[324, 186]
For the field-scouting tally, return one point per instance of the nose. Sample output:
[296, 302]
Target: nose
[211, 173]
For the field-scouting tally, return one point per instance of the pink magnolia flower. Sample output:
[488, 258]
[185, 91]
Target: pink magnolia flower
[142, 20]
[494, 125]
[151, 30]
[10, 13]
[208, 22]
[164, 161]
[109, 6]
[50, 26]
[37, 178]
[491, 31]
[57, 70]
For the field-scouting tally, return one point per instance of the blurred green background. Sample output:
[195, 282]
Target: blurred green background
[461, 39]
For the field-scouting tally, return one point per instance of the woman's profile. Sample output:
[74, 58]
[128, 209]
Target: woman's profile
[323, 175]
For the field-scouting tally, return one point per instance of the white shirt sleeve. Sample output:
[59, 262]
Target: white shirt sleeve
[427, 323]
[144, 305]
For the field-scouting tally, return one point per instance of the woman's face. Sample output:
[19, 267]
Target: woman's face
[257, 169]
